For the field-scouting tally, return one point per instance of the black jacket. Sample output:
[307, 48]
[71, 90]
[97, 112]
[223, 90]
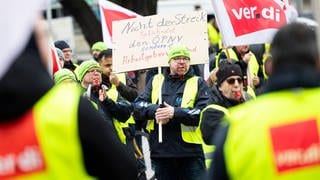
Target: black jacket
[172, 91]
[27, 81]
[121, 109]
[69, 65]
[211, 117]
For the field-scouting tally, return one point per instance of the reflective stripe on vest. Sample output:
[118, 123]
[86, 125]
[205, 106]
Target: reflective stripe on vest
[275, 137]
[56, 125]
[208, 149]
[156, 85]
[188, 133]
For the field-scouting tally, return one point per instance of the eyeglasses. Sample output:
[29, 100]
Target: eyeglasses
[181, 58]
[94, 70]
[67, 51]
[231, 81]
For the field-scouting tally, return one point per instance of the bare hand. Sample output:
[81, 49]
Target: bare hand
[164, 114]
[213, 75]
[114, 79]
[103, 93]
[255, 80]
[246, 57]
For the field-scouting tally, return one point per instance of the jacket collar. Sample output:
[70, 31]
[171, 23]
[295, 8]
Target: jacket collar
[294, 77]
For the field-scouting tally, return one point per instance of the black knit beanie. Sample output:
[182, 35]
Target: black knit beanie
[226, 70]
[61, 45]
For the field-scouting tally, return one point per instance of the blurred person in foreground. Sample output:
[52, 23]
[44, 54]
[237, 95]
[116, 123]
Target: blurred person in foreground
[276, 136]
[46, 131]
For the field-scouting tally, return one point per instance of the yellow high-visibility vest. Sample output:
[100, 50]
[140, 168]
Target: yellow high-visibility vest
[55, 126]
[188, 133]
[114, 96]
[208, 149]
[275, 137]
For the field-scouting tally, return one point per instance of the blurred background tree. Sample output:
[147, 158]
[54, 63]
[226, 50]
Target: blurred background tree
[90, 24]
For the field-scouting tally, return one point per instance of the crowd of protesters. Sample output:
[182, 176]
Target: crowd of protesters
[257, 107]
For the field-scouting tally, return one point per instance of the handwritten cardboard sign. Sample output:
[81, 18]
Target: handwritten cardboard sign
[142, 43]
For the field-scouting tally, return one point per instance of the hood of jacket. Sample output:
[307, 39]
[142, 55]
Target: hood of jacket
[294, 77]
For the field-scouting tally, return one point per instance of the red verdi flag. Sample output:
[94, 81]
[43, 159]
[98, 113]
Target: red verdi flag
[112, 12]
[55, 61]
[251, 21]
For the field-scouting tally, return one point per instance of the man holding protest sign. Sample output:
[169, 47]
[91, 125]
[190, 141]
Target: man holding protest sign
[184, 95]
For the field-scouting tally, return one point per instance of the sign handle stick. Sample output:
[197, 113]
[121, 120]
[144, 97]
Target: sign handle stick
[159, 102]
[228, 55]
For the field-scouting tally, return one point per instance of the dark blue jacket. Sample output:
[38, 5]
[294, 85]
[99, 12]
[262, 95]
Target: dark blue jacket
[172, 91]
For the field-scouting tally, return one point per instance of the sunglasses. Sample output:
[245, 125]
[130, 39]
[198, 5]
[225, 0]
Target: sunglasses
[231, 81]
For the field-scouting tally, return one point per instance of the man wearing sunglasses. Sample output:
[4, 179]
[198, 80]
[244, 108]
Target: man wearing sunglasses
[227, 92]
[229, 84]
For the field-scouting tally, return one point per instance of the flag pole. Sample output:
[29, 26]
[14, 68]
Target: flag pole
[227, 50]
[228, 54]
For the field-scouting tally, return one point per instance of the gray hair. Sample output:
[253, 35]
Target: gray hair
[60, 54]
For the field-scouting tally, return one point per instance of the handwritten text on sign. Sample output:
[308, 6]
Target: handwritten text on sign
[143, 42]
